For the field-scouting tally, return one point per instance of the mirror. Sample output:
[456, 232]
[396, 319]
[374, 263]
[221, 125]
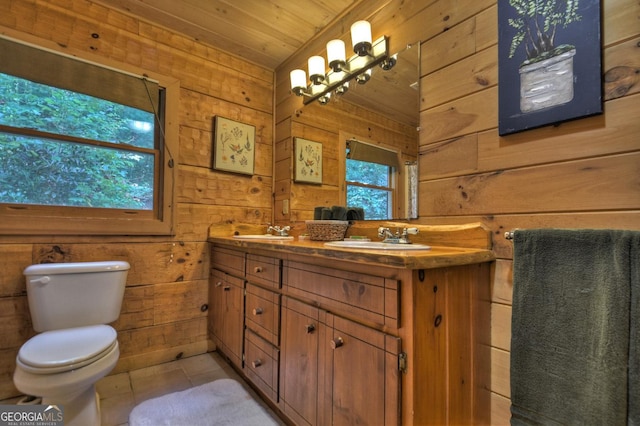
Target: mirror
[394, 93]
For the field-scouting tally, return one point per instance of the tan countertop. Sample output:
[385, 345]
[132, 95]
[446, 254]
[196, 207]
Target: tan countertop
[436, 257]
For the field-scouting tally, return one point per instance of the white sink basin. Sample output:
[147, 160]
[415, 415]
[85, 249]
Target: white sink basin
[376, 245]
[267, 237]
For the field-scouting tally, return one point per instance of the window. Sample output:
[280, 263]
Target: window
[370, 179]
[82, 148]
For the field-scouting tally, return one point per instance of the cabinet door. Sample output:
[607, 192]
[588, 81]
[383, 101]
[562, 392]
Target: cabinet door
[362, 375]
[299, 363]
[227, 313]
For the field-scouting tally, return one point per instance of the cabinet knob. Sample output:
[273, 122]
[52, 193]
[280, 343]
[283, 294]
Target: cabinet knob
[257, 311]
[227, 288]
[257, 363]
[310, 328]
[257, 269]
[336, 342]
[219, 283]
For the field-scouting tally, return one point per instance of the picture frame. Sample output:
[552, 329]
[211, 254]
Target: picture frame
[233, 146]
[307, 161]
[549, 62]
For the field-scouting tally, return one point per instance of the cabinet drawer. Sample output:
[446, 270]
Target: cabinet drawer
[227, 260]
[262, 313]
[369, 297]
[261, 364]
[263, 270]
[220, 278]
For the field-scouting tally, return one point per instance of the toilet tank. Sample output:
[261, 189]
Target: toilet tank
[66, 295]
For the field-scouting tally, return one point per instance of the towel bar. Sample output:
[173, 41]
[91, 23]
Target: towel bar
[508, 235]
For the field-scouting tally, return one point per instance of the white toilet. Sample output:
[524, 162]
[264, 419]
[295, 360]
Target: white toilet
[71, 305]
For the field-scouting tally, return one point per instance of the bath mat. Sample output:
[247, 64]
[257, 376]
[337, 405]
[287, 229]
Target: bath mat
[221, 402]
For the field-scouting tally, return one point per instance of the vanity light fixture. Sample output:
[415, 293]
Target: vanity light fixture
[322, 83]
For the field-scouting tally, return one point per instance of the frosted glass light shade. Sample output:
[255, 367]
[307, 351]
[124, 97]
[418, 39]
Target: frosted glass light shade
[298, 81]
[336, 54]
[361, 37]
[298, 78]
[316, 69]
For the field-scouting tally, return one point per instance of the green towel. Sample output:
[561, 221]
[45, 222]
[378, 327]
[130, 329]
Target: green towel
[574, 345]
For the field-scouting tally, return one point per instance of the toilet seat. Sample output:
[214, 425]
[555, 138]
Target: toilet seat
[58, 351]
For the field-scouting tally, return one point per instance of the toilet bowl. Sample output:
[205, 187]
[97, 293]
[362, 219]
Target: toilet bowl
[71, 304]
[63, 367]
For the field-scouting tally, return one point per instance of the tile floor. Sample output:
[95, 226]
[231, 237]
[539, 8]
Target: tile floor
[119, 393]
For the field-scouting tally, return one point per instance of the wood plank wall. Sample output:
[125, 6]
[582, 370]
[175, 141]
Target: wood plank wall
[167, 285]
[584, 173]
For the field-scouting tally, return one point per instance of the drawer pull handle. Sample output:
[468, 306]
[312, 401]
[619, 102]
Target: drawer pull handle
[310, 328]
[227, 288]
[257, 311]
[337, 342]
[219, 283]
[257, 363]
[257, 269]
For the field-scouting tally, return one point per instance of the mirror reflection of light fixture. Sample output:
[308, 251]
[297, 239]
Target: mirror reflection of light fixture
[342, 69]
[364, 77]
[389, 63]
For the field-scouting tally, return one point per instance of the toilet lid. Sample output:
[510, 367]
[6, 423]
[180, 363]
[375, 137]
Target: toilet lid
[62, 350]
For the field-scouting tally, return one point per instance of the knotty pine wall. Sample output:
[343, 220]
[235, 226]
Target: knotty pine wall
[583, 173]
[167, 285]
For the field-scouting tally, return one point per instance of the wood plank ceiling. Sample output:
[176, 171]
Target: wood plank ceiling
[265, 32]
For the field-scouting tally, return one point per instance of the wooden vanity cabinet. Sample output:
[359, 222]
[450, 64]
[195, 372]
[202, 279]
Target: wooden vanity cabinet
[299, 369]
[264, 270]
[360, 379]
[262, 323]
[362, 344]
[226, 303]
[352, 367]
[261, 364]
[262, 313]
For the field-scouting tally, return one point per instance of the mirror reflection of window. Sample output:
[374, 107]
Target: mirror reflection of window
[370, 179]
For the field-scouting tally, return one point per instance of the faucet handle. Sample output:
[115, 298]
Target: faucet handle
[411, 231]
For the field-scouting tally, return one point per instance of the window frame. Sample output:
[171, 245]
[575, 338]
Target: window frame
[390, 188]
[24, 219]
[398, 208]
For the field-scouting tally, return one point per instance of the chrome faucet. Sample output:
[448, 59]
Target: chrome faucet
[398, 237]
[283, 232]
